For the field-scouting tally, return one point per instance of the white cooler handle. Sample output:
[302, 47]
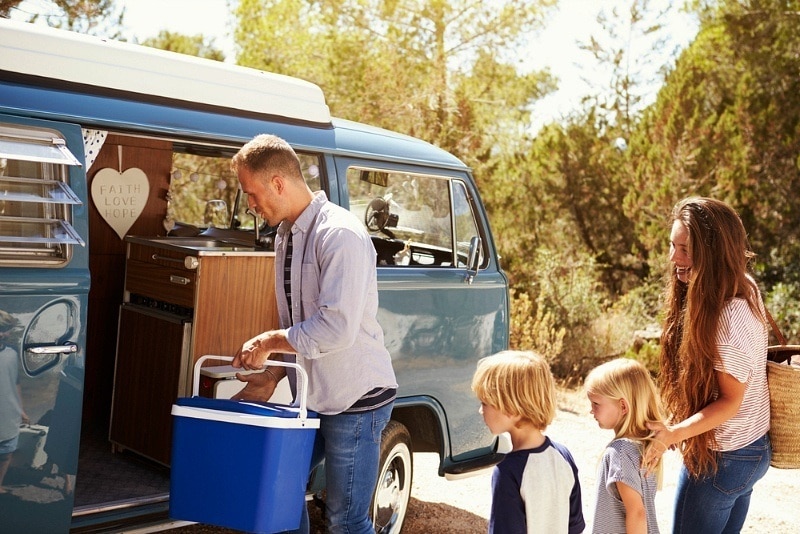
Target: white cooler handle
[302, 383]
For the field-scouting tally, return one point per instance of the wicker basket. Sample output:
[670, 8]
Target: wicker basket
[784, 401]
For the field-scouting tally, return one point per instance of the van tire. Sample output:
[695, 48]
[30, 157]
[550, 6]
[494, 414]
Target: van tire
[393, 490]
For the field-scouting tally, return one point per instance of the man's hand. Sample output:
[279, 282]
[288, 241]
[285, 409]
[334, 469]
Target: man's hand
[256, 351]
[258, 387]
[251, 356]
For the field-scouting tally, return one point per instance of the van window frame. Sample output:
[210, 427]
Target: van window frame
[386, 235]
[36, 200]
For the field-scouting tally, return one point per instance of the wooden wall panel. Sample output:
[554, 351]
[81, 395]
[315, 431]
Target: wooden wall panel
[235, 302]
[107, 258]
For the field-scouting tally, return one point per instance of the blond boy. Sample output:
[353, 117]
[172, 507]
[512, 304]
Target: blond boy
[535, 487]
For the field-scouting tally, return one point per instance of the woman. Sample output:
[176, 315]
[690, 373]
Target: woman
[713, 369]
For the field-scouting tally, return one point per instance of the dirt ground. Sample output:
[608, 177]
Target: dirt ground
[440, 506]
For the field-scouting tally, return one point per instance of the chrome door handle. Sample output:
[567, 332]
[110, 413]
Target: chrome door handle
[53, 349]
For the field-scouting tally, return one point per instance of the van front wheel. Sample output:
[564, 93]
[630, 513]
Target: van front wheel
[393, 491]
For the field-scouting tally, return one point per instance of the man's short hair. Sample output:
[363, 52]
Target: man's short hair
[267, 152]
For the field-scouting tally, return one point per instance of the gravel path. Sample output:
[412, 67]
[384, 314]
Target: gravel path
[463, 505]
[440, 506]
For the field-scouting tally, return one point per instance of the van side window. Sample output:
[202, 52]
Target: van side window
[203, 190]
[414, 219]
[35, 198]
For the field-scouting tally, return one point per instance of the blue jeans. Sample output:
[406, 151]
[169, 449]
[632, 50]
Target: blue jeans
[719, 503]
[352, 445]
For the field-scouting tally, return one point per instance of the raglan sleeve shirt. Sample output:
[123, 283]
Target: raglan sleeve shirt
[536, 490]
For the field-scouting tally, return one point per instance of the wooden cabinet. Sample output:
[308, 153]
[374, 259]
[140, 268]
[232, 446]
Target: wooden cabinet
[179, 305]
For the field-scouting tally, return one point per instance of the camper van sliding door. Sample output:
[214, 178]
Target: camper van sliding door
[44, 285]
[441, 294]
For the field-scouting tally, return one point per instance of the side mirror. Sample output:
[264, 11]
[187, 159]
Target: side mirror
[474, 258]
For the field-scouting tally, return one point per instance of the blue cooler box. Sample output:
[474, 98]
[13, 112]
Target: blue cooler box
[240, 465]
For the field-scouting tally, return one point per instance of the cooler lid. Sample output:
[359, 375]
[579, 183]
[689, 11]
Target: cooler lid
[267, 409]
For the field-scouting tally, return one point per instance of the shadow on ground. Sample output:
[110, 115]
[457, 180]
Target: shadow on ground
[422, 518]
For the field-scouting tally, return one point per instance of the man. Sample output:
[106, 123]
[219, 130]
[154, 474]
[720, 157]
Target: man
[327, 293]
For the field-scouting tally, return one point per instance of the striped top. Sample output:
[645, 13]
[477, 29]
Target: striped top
[742, 340]
[622, 462]
[373, 399]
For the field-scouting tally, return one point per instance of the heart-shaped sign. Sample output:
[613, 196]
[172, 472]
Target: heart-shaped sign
[120, 197]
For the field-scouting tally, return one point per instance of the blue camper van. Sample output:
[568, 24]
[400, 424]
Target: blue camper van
[127, 253]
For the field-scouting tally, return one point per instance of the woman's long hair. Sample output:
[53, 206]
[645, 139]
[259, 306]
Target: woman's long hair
[720, 256]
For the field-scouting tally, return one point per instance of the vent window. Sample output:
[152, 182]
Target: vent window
[35, 198]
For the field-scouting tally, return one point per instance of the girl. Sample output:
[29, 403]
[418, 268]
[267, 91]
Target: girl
[624, 399]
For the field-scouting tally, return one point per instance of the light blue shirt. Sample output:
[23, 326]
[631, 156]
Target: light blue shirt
[333, 323]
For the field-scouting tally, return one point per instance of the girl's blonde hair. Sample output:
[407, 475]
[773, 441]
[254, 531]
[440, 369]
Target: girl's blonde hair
[518, 383]
[628, 380]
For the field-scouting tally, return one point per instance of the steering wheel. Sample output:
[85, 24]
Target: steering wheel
[377, 214]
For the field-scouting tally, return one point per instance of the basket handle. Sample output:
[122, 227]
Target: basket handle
[302, 386]
[778, 334]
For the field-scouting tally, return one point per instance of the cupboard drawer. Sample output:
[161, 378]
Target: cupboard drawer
[168, 284]
[158, 256]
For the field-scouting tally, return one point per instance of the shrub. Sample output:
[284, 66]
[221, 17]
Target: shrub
[572, 320]
[783, 302]
[534, 329]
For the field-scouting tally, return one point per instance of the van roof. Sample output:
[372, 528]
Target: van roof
[179, 94]
[37, 50]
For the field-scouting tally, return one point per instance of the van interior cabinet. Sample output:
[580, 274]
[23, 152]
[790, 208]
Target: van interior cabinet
[180, 304]
[146, 378]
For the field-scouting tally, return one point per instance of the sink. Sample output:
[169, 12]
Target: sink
[193, 242]
[201, 243]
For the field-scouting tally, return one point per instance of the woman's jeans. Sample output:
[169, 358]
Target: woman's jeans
[352, 444]
[719, 503]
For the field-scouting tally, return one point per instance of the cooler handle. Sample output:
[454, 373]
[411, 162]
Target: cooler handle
[302, 383]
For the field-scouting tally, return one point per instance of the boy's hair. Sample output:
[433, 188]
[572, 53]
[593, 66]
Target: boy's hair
[518, 383]
[629, 380]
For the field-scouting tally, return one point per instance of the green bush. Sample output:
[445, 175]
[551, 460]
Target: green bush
[571, 319]
[534, 329]
[783, 302]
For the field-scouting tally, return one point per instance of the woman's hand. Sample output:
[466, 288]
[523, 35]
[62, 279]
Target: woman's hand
[663, 438]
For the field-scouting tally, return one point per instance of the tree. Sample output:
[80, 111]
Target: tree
[577, 172]
[631, 50]
[583, 177]
[727, 124]
[437, 70]
[94, 17]
[194, 45]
